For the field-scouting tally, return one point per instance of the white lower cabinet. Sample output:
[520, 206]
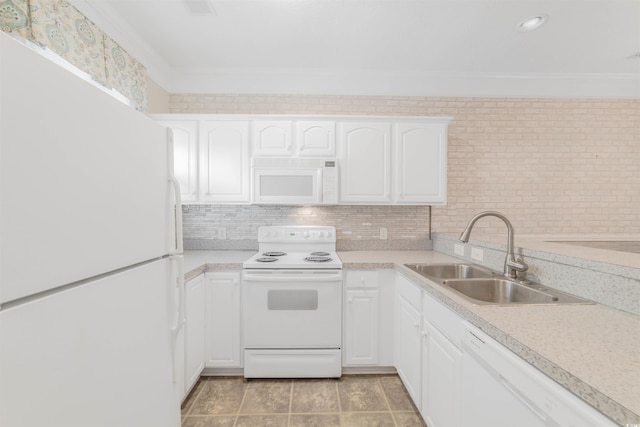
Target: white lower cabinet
[361, 331]
[222, 329]
[440, 379]
[408, 345]
[465, 378]
[194, 313]
[368, 318]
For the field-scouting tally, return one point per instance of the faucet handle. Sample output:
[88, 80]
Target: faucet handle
[518, 264]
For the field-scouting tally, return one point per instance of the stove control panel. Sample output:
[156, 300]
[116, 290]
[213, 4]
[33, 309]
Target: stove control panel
[297, 233]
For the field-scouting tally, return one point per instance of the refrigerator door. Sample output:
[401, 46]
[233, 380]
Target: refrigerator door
[98, 354]
[84, 186]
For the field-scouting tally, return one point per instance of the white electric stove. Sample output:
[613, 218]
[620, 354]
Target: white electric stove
[292, 304]
[295, 247]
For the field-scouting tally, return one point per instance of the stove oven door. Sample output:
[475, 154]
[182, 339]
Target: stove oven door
[292, 322]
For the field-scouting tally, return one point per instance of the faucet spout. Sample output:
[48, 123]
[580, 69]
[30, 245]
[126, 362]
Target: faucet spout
[512, 265]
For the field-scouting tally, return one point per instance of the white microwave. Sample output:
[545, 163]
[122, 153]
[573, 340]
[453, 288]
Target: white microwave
[294, 181]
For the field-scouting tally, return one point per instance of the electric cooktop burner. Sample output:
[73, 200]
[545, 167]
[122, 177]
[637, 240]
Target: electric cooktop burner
[320, 253]
[317, 259]
[276, 254]
[267, 259]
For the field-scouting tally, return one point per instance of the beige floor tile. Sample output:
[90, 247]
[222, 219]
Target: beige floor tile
[408, 419]
[314, 396]
[314, 420]
[351, 401]
[207, 421]
[267, 397]
[367, 419]
[361, 393]
[397, 395]
[188, 401]
[219, 396]
[262, 421]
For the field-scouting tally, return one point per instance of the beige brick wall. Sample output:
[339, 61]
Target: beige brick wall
[551, 165]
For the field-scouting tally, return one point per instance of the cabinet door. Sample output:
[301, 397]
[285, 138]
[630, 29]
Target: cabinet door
[194, 330]
[272, 138]
[365, 162]
[185, 156]
[408, 348]
[225, 167]
[420, 173]
[223, 342]
[315, 138]
[361, 327]
[440, 379]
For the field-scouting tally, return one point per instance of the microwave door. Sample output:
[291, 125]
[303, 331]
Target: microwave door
[288, 186]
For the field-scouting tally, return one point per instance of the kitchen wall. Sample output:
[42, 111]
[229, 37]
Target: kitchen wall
[551, 165]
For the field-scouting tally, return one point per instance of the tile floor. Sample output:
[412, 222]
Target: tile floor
[351, 401]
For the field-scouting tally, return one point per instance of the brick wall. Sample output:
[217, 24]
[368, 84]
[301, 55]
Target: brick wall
[551, 165]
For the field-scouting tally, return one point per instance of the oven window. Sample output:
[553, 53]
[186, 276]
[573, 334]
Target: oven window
[286, 185]
[292, 299]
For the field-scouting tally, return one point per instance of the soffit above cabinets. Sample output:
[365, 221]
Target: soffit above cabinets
[380, 47]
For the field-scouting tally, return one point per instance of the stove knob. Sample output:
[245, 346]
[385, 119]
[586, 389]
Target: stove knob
[321, 234]
[306, 234]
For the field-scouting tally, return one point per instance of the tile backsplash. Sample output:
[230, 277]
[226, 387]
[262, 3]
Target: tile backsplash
[357, 227]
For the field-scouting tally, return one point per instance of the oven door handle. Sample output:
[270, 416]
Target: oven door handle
[289, 277]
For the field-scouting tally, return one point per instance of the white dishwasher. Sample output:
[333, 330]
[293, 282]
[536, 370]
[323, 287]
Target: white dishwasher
[501, 389]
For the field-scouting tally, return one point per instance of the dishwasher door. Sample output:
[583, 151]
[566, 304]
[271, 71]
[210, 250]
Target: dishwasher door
[501, 389]
[489, 401]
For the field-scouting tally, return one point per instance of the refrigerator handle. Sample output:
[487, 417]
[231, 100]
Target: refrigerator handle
[177, 206]
[177, 280]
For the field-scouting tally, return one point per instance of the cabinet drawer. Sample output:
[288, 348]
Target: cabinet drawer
[449, 323]
[362, 279]
[410, 292]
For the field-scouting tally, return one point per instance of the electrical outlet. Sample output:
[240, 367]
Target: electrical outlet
[477, 254]
[383, 233]
[458, 249]
[222, 233]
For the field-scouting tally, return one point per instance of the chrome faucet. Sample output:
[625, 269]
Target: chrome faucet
[512, 265]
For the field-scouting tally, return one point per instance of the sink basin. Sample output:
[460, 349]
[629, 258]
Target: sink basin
[449, 271]
[507, 292]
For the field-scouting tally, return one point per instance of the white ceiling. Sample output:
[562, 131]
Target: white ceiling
[381, 47]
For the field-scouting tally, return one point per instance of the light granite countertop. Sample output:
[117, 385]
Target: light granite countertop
[592, 350]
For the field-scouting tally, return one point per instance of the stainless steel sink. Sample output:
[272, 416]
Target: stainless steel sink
[449, 271]
[500, 291]
[482, 286]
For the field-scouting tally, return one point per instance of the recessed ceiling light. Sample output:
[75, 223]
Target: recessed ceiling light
[532, 23]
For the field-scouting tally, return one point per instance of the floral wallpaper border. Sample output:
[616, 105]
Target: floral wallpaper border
[59, 26]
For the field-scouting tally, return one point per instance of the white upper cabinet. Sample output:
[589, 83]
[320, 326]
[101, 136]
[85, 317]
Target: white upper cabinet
[381, 160]
[393, 162]
[185, 156]
[272, 138]
[365, 162]
[224, 161]
[315, 138]
[420, 163]
[294, 138]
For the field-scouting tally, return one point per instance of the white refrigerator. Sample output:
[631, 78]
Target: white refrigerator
[90, 255]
